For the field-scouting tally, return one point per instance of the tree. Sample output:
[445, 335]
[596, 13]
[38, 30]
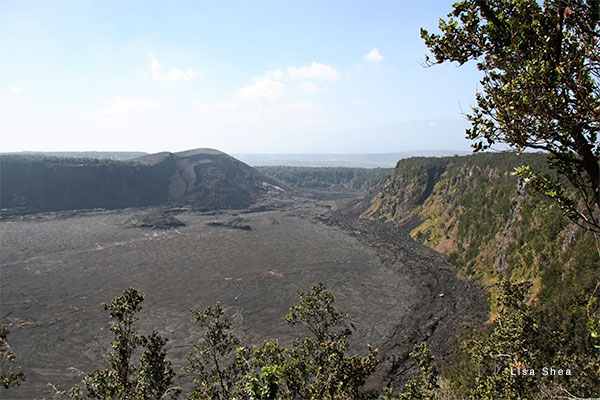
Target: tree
[425, 386]
[317, 367]
[11, 373]
[151, 378]
[154, 373]
[511, 347]
[124, 309]
[511, 359]
[540, 89]
[213, 359]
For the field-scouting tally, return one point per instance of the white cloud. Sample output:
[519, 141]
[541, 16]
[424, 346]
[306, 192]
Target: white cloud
[373, 55]
[126, 105]
[211, 108]
[432, 124]
[262, 89]
[154, 64]
[176, 75]
[297, 107]
[305, 107]
[272, 102]
[308, 87]
[270, 85]
[173, 76]
[14, 91]
[314, 71]
[275, 74]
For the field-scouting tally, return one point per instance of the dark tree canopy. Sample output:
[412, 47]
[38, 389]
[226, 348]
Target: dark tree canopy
[540, 90]
[11, 373]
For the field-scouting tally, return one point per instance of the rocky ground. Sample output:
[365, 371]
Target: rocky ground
[444, 306]
[57, 268]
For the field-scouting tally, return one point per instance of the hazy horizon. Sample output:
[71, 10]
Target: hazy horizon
[244, 153]
[350, 160]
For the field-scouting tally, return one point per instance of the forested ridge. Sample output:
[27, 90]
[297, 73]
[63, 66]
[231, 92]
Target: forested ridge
[42, 183]
[327, 177]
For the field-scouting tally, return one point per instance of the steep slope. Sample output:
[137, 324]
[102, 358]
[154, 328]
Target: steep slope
[491, 226]
[202, 178]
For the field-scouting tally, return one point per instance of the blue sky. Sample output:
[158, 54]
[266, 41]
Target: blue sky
[281, 76]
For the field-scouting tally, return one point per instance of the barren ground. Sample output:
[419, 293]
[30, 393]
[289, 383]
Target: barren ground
[57, 268]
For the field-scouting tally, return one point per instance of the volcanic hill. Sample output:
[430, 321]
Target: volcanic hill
[201, 178]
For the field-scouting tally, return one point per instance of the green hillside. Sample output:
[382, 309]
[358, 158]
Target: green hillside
[493, 227]
[478, 213]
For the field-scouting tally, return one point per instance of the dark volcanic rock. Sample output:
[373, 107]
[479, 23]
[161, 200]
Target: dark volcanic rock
[56, 272]
[445, 305]
[210, 179]
[236, 223]
[154, 220]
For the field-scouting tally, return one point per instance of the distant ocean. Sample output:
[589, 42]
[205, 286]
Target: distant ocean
[367, 160]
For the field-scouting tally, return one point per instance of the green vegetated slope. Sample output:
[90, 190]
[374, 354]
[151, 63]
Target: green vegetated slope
[57, 183]
[492, 226]
[326, 177]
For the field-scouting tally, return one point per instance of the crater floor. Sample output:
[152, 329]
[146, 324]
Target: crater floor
[58, 268]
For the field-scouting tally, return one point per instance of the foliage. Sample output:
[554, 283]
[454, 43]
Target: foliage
[155, 375]
[320, 360]
[265, 386]
[495, 230]
[425, 386]
[315, 367]
[327, 177]
[541, 87]
[513, 360]
[151, 378]
[511, 346]
[11, 372]
[490, 225]
[408, 187]
[463, 202]
[124, 309]
[541, 90]
[318, 367]
[217, 375]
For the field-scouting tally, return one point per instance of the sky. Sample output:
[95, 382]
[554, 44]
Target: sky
[285, 76]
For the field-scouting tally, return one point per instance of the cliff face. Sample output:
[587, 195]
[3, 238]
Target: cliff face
[488, 223]
[37, 183]
[203, 178]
